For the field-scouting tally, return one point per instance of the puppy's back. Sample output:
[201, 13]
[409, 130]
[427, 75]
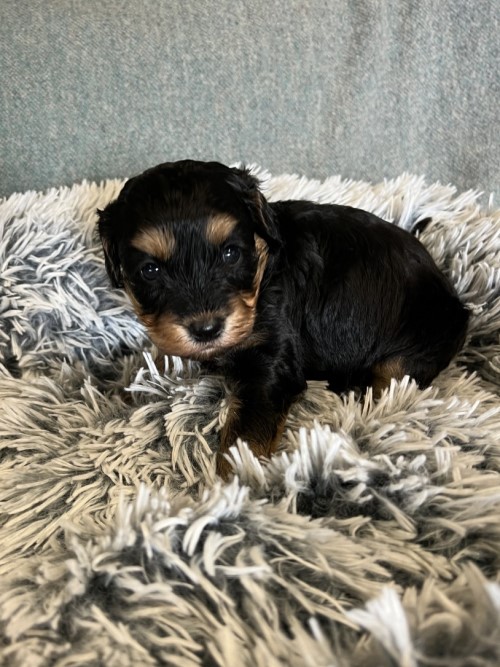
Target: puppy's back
[370, 292]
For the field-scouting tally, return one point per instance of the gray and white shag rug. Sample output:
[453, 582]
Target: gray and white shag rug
[372, 538]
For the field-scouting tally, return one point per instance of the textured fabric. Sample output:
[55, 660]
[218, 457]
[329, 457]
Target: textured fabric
[372, 539]
[367, 89]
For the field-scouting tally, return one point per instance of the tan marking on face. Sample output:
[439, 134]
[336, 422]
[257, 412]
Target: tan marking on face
[219, 228]
[171, 336]
[239, 323]
[157, 242]
[262, 250]
[384, 372]
[250, 298]
[136, 305]
[164, 330]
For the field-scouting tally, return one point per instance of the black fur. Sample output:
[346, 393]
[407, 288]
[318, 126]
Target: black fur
[344, 295]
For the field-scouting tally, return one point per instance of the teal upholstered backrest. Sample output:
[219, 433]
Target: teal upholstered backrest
[95, 89]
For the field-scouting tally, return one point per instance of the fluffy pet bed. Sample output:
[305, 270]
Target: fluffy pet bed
[371, 539]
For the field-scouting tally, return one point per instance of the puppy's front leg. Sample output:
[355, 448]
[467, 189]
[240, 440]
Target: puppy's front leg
[257, 416]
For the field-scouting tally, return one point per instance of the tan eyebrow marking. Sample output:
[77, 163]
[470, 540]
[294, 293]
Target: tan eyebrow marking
[158, 243]
[219, 228]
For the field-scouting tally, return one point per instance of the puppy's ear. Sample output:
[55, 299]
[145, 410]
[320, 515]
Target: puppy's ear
[247, 186]
[110, 244]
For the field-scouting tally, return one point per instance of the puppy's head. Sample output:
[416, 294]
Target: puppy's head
[189, 241]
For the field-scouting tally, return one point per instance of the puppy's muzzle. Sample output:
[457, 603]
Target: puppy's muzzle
[206, 329]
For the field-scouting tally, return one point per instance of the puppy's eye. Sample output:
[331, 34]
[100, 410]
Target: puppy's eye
[150, 271]
[231, 254]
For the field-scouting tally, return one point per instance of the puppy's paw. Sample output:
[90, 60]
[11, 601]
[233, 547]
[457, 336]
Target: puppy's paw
[223, 467]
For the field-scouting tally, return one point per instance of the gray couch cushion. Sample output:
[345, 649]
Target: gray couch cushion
[367, 89]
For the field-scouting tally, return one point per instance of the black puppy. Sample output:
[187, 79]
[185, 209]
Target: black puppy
[274, 294]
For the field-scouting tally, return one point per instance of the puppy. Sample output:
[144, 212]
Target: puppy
[274, 294]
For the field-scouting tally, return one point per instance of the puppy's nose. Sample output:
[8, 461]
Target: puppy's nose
[206, 329]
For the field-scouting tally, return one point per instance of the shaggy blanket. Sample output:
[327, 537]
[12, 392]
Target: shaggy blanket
[371, 539]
